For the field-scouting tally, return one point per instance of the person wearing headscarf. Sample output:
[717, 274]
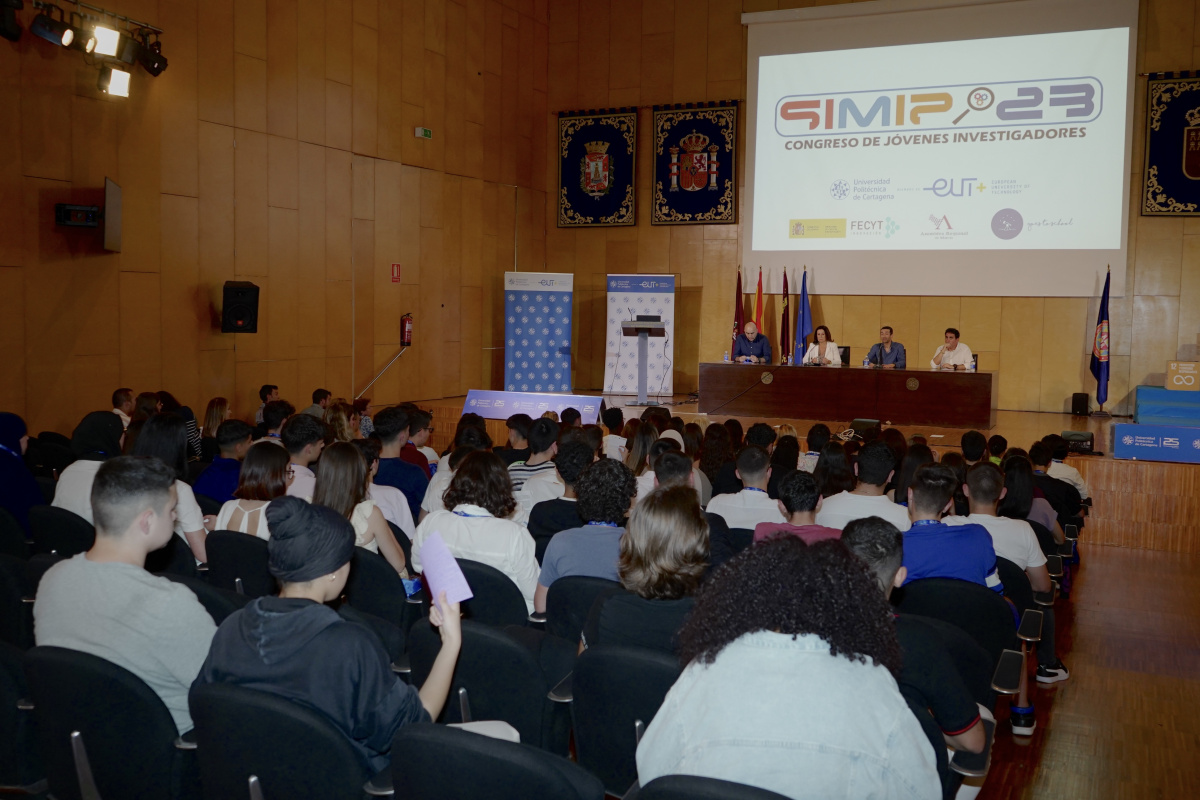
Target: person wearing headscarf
[18, 490]
[293, 646]
[97, 438]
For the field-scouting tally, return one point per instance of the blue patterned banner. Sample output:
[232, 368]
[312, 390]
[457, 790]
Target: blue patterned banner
[502, 405]
[695, 150]
[596, 168]
[1156, 443]
[1172, 173]
[537, 331]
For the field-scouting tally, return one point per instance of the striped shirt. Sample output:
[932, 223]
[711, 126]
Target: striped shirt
[522, 471]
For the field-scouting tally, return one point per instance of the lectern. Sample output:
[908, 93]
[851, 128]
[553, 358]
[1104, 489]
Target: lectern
[643, 328]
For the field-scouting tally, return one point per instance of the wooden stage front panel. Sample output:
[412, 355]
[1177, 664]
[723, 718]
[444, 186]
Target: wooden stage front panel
[901, 397]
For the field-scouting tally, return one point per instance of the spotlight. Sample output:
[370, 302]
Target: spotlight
[107, 41]
[51, 28]
[114, 81]
[9, 27]
[149, 55]
[83, 39]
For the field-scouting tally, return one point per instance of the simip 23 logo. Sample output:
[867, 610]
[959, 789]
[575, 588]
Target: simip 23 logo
[1051, 101]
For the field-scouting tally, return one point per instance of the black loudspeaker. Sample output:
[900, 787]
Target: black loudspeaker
[1079, 404]
[861, 427]
[239, 307]
[1080, 441]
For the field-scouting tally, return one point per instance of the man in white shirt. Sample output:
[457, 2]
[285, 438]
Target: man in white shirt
[614, 442]
[320, 400]
[304, 438]
[953, 354]
[123, 402]
[103, 602]
[1013, 539]
[874, 468]
[267, 392]
[1059, 450]
[752, 504]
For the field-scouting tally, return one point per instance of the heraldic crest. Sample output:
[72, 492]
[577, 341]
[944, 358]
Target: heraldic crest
[596, 168]
[695, 149]
[1171, 182]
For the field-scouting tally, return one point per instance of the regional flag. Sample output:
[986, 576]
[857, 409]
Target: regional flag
[758, 303]
[737, 308]
[1100, 347]
[785, 340]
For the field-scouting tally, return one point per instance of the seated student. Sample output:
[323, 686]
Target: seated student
[1059, 469]
[320, 401]
[669, 442]
[274, 415]
[561, 513]
[614, 442]
[547, 485]
[974, 447]
[420, 425]
[467, 440]
[343, 485]
[760, 435]
[715, 450]
[1014, 539]
[267, 393]
[296, 647]
[874, 467]
[752, 504]
[219, 480]
[663, 558]
[476, 525]
[217, 411]
[343, 421]
[164, 436]
[956, 462]
[104, 602]
[605, 491]
[97, 438]
[518, 439]
[675, 469]
[929, 679]
[693, 446]
[1063, 496]
[997, 445]
[638, 450]
[835, 468]
[571, 418]
[933, 549]
[391, 429]
[123, 404]
[799, 502]
[543, 444]
[789, 683]
[918, 455]
[19, 492]
[784, 458]
[818, 436]
[388, 499]
[1020, 499]
[304, 438]
[265, 476]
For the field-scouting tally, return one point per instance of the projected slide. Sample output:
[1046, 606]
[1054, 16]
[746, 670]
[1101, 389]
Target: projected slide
[1012, 143]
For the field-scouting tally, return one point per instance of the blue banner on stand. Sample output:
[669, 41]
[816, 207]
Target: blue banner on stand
[1157, 443]
[537, 331]
[502, 405]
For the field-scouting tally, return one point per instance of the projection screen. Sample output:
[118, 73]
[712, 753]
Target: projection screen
[929, 147]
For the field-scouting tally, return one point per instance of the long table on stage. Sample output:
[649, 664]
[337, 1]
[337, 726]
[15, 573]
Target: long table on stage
[902, 397]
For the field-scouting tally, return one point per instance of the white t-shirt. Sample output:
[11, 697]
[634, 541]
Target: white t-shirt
[1011, 538]
[542, 486]
[188, 516]
[960, 356]
[746, 509]
[438, 485]
[391, 501]
[253, 521]
[304, 484]
[1065, 472]
[842, 509]
[74, 489]
[430, 454]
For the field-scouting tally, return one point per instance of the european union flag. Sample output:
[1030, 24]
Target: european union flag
[804, 321]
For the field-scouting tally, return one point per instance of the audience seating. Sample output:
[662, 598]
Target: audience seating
[47, 459]
[56, 530]
[616, 689]
[48, 485]
[433, 762]
[503, 681]
[219, 603]
[375, 588]
[238, 562]
[20, 762]
[292, 750]
[208, 506]
[175, 557]
[91, 712]
[36, 567]
[497, 599]
[1017, 587]
[402, 540]
[55, 438]
[693, 787]
[975, 609]
[568, 602]
[16, 609]
[12, 536]
[194, 469]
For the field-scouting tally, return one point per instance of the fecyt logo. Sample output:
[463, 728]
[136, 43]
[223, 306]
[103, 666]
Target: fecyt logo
[1050, 101]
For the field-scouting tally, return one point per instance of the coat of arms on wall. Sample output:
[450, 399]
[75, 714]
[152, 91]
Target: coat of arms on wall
[695, 152]
[596, 168]
[1171, 182]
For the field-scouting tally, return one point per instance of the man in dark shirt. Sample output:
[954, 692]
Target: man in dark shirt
[750, 347]
[418, 422]
[562, 513]
[518, 439]
[727, 481]
[675, 469]
[799, 500]
[219, 480]
[933, 549]
[391, 428]
[1062, 496]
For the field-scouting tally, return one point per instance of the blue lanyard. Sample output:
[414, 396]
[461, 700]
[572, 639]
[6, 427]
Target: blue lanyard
[605, 524]
[10, 450]
[920, 522]
[755, 489]
[471, 516]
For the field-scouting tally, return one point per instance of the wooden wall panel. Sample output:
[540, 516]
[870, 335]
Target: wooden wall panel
[179, 101]
[215, 62]
[140, 329]
[282, 67]
[12, 333]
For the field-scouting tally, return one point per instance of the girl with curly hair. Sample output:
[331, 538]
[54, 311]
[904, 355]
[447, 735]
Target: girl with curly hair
[475, 523]
[789, 683]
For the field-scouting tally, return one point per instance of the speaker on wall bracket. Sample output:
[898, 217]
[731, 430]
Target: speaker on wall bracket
[239, 307]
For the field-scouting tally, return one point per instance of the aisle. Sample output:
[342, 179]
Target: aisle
[1127, 723]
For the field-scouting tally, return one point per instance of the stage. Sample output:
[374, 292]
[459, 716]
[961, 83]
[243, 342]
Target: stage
[1142, 504]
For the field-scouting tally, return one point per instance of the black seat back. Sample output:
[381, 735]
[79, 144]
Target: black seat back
[693, 787]
[502, 678]
[207, 505]
[568, 602]
[219, 603]
[374, 587]
[54, 437]
[16, 616]
[233, 555]
[12, 536]
[976, 609]
[35, 568]
[1045, 538]
[20, 762]
[47, 459]
[128, 732]
[175, 557]
[432, 762]
[402, 540]
[497, 599]
[56, 530]
[294, 751]
[613, 688]
[1016, 584]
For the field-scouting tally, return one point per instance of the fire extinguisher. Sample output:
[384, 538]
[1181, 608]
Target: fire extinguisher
[406, 325]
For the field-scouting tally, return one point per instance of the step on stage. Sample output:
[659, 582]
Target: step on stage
[1143, 504]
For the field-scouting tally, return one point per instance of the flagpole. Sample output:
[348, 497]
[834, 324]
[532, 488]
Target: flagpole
[1100, 365]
